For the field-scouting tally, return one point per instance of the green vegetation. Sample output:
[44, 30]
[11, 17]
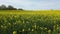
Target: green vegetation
[29, 22]
[3, 7]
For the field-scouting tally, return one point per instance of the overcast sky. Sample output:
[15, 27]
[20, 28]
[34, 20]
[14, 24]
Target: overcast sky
[32, 4]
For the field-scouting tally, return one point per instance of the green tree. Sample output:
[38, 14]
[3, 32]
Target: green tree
[11, 8]
[3, 7]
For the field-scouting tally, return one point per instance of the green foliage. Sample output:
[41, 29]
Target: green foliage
[3, 7]
[29, 24]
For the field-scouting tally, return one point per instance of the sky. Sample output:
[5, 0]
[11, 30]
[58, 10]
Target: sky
[32, 4]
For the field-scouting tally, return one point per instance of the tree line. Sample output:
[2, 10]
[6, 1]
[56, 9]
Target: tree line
[3, 7]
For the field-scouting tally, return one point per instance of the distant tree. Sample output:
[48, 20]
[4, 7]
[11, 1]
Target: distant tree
[3, 7]
[11, 8]
[20, 9]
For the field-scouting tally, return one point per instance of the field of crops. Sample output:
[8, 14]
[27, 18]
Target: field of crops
[32, 22]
